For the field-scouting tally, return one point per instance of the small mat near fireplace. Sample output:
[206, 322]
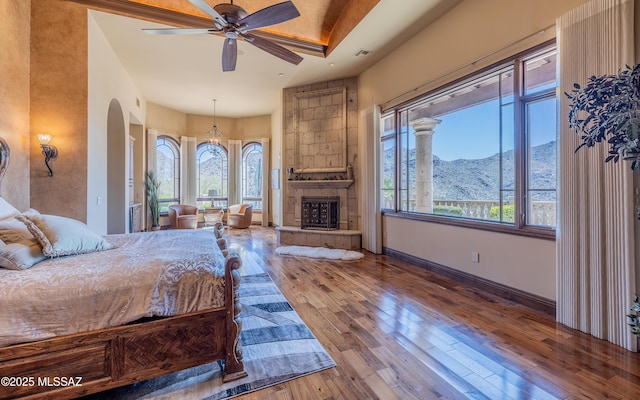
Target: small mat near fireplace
[319, 252]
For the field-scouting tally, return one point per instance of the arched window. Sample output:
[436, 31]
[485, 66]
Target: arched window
[212, 165]
[168, 171]
[252, 175]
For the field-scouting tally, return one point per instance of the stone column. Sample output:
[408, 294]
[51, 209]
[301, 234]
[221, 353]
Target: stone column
[424, 130]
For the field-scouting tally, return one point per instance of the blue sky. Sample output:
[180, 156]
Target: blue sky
[472, 133]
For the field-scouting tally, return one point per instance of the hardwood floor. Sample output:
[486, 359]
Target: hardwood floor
[399, 332]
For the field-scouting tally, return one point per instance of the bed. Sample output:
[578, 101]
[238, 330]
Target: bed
[132, 307]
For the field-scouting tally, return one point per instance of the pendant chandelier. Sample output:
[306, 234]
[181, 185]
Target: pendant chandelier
[214, 135]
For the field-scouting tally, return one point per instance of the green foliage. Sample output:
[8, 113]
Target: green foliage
[508, 213]
[212, 183]
[151, 185]
[388, 192]
[166, 189]
[607, 109]
[448, 210]
[633, 318]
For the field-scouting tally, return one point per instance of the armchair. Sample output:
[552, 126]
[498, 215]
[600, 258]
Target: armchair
[183, 216]
[240, 215]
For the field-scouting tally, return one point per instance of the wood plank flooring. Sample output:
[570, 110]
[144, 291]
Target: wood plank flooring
[397, 331]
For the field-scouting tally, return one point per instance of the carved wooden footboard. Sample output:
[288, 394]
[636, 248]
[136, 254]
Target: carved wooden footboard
[74, 365]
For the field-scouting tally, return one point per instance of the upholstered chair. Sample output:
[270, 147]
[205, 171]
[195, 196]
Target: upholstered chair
[240, 215]
[183, 216]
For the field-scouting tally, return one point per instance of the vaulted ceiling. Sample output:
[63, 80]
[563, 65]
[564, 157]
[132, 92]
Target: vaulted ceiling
[337, 39]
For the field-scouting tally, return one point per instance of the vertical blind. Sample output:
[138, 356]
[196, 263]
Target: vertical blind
[595, 237]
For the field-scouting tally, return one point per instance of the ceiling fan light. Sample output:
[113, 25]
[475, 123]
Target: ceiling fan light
[235, 22]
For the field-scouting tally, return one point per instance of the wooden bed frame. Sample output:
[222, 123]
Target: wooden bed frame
[83, 363]
[112, 357]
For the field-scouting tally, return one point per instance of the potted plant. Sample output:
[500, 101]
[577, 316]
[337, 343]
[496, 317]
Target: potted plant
[151, 185]
[634, 317]
[608, 108]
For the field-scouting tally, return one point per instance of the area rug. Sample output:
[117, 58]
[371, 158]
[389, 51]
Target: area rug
[319, 252]
[277, 347]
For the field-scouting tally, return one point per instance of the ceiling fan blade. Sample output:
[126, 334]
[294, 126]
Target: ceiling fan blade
[271, 15]
[272, 48]
[180, 31]
[229, 55]
[207, 9]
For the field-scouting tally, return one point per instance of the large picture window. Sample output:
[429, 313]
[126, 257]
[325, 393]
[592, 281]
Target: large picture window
[168, 171]
[481, 151]
[388, 162]
[252, 175]
[212, 164]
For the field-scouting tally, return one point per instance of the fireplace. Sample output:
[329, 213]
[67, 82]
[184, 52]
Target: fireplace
[320, 213]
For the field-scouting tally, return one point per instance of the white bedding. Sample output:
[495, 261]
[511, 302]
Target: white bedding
[147, 274]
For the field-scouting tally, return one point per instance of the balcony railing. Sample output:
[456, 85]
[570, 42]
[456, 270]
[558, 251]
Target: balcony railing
[542, 213]
[256, 202]
[204, 201]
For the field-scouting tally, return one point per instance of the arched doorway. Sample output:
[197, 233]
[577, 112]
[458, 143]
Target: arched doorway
[116, 170]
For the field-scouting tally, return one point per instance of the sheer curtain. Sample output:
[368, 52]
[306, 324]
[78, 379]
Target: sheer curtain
[188, 187]
[370, 181]
[265, 181]
[595, 237]
[152, 142]
[234, 147]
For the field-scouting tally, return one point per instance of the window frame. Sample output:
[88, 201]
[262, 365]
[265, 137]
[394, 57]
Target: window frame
[390, 137]
[174, 145]
[523, 164]
[217, 200]
[246, 150]
[519, 226]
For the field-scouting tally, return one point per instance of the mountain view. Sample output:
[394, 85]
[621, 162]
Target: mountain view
[212, 170]
[479, 179]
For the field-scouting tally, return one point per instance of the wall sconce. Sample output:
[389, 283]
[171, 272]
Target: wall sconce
[49, 152]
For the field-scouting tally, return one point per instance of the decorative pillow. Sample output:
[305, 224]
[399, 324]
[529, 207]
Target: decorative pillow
[21, 255]
[13, 231]
[61, 236]
[7, 210]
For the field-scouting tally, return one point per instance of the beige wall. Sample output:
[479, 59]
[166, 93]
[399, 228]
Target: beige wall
[253, 127]
[175, 123]
[445, 48]
[166, 120]
[107, 170]
[469, 32]
[59, 106]
[244, 129]
[14, 102]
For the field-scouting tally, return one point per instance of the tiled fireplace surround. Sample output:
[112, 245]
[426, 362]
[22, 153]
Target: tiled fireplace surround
[321, 139]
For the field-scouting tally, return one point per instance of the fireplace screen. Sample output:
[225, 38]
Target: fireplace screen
[322, 213]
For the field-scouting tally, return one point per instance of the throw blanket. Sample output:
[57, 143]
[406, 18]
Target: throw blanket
[146, 274]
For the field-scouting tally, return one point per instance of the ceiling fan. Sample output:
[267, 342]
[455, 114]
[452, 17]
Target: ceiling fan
[234, 22]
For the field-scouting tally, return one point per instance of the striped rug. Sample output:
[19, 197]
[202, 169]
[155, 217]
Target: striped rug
[277, 346]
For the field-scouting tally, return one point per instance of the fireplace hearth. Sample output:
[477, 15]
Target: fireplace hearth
[320, 213]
